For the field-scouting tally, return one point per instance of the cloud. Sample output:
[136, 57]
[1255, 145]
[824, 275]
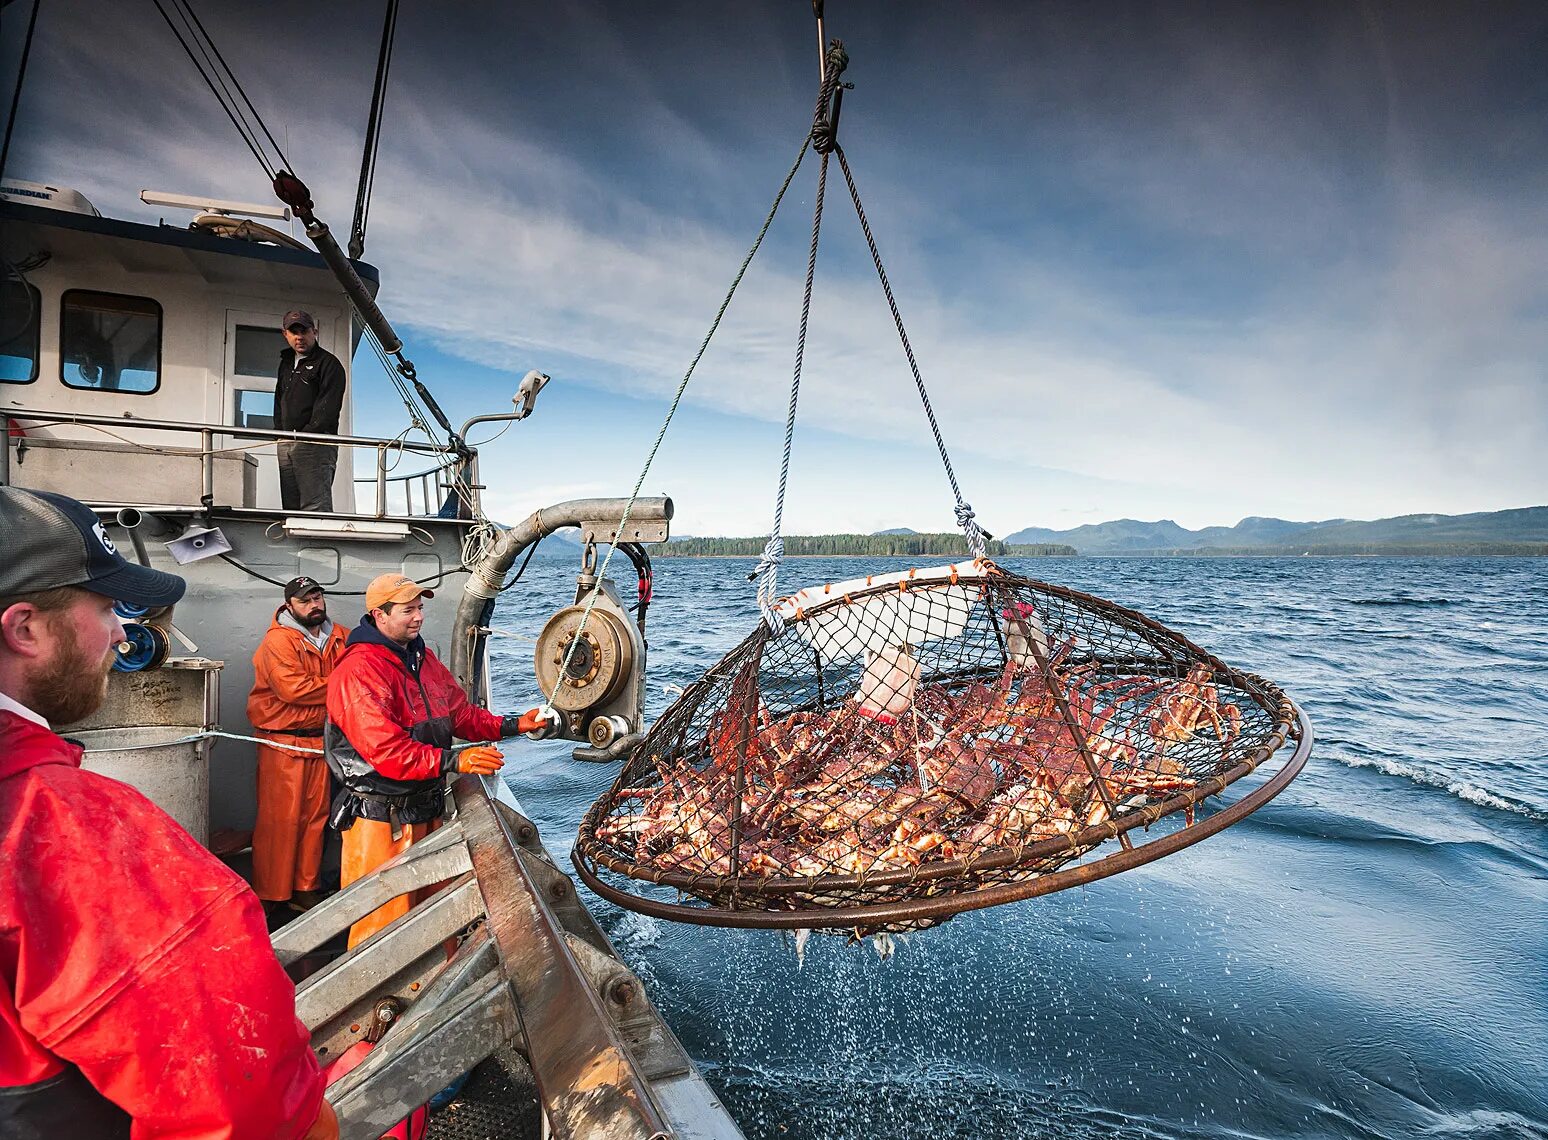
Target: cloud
[1167, 270]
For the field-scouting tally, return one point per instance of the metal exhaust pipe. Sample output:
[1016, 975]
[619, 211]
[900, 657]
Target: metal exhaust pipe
[130, 519]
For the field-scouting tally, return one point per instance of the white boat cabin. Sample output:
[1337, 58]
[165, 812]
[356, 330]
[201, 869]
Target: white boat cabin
[162, 323]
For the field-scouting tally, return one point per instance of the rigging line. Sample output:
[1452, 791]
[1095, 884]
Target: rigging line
[21, 73]
[373, 134]
[768, 566]
[284, 162]
[181, 7]
[672, 410]
[208, 82]
[823, 138]
[965, 518]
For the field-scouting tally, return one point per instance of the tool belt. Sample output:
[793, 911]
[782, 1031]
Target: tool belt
[420, 806]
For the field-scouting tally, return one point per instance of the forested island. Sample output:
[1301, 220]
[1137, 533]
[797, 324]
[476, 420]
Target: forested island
[1348, 550]
[946, 545]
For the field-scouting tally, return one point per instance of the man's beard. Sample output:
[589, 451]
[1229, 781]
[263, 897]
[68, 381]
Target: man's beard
[71, 687]
[313, 621]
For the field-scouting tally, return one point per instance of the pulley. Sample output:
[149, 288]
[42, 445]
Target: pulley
[143, 647]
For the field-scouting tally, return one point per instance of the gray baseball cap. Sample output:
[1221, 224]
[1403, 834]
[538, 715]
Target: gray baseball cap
[51, 540]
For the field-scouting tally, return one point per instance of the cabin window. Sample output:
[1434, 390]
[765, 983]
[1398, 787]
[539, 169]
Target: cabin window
[20, 309]
[253, 409]
[257, 350]
[109, 342]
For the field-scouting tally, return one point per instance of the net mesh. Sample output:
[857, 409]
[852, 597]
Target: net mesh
[924, 736]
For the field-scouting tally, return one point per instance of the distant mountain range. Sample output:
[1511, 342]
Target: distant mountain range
[1523, 527]
[1523, 530]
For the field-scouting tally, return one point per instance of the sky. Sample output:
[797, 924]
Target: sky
[1156, 260]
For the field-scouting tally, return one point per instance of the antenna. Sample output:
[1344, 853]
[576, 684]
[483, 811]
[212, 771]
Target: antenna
[213, 205]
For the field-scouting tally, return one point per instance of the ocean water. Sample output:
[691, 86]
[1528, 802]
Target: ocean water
[1367, 956]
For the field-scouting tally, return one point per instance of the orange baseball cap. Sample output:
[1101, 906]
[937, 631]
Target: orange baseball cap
[394, 588]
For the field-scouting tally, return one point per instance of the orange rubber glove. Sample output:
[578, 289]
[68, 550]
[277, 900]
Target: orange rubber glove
[537, 724]
[484, 760]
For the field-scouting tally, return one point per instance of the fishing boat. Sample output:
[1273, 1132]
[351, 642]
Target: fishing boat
[137, 374]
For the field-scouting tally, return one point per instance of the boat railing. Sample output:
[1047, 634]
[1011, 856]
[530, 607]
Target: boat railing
[430, 492]
[449, 485]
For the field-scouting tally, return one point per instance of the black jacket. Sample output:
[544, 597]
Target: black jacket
[309, 397]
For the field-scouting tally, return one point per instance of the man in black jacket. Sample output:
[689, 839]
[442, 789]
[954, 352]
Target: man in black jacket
[308, 394]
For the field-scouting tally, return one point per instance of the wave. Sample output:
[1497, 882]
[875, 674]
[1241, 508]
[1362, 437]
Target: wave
[1400, 600]
[1462, 789]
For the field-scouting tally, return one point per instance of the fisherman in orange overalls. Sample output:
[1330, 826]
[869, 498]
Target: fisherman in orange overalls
[393, 713]
[287, 706]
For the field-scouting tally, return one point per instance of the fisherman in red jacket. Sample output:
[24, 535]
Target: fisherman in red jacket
[139, 994]
[393, 712]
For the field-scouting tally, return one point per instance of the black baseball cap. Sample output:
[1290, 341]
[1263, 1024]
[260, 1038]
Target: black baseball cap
[296, 587]
[297, 317]
[50, 540]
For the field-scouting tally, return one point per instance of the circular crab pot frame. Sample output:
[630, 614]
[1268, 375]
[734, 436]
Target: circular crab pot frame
[915, 745]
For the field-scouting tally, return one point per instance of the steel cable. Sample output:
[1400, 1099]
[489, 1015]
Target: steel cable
[964, 512]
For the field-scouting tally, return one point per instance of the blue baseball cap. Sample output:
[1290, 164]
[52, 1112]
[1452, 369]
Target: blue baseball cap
[51, 541]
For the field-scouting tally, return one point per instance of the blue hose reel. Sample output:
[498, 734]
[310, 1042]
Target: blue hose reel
[143, 647]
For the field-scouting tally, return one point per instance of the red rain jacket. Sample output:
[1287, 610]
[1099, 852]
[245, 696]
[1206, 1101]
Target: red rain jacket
[374, 699]
[128, 950]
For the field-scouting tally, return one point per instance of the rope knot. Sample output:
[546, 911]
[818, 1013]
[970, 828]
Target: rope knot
[970, 528]
[825, 120]
[773, 554]
[767, 574]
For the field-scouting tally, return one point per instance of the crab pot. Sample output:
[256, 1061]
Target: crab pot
[914, 745]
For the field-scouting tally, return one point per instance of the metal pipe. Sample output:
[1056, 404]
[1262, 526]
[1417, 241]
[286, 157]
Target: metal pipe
[354, 288]
[486, 580]
[207, 461]
[381, 481]
[822, 47]
[617, 750]
[129, 518]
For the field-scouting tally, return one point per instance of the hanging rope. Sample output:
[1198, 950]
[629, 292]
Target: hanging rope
[823, 140]
[677, 399]
[965, 519]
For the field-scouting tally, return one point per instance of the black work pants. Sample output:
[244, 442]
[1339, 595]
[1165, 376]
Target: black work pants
[306, 475]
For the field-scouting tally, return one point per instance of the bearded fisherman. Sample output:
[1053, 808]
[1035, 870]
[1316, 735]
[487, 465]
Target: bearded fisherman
[286, 707]
[393, 712]
[139, 994]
